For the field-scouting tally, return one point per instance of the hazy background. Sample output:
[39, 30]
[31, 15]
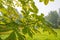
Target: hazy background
[47, 8]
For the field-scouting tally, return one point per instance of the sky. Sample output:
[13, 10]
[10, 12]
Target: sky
[45, 9]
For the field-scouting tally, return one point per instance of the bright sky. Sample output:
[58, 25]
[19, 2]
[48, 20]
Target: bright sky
[47, 8]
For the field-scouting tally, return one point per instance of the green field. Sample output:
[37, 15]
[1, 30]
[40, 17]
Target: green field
[46, 36]
[42, 36]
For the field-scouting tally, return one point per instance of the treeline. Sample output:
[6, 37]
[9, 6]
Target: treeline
[54, 18]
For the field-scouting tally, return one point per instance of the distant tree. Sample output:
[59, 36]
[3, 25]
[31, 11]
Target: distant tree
[59, 18]
[59, 22]
[53, 18]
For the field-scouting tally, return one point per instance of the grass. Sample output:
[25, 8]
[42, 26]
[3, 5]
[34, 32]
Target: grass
[46, 36]
[43, 36]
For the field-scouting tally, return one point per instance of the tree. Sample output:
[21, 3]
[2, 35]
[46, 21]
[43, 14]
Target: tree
[53, 18]
[11, 21]
[58, 21]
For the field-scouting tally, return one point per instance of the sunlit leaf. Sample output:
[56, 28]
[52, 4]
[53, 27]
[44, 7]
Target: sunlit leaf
[46, 2]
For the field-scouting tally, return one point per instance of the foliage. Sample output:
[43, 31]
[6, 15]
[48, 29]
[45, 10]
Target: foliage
[46, 36]
[21, 24]
[59, 21]
[46, 1]
[53, 18]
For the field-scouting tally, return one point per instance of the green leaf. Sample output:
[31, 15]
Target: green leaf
[5, 19]
[13, 14]
[41, 0]
[24, 30]
[46, 2]
[20, 36]
[34, 8]
[0, 39]
[4, 28]
[0, 1]
[2, 22]
[35, 30]
[1, 6]
[51, 0]
[9, 1]
[3, 10]
[12, 36]
[28, 30]
[30, 33]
